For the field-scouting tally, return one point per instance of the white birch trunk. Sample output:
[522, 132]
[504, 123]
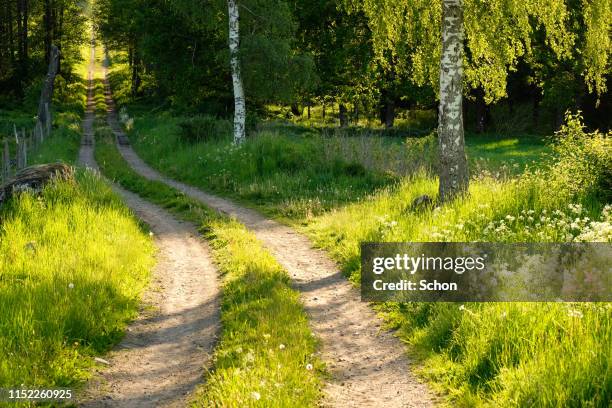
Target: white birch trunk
[453, 161]
[234, 46]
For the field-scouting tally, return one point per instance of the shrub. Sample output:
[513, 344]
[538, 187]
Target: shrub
[584, 161]
[204, 128]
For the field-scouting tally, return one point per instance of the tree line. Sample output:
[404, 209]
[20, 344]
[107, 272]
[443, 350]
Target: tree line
[372, 55]
[28, 29]
[367, 57]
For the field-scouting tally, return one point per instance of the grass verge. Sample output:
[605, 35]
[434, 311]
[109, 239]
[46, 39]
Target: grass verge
[73, 262]
[267, 353]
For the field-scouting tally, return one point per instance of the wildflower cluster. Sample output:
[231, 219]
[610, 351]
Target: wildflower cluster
[385, 225]
[571, 224]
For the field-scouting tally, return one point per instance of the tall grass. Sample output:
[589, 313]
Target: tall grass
[289, 176]
[267, 352]
[72, 264]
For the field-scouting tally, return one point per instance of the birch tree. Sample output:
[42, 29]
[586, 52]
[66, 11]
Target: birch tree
[234, 47]
[453, 169]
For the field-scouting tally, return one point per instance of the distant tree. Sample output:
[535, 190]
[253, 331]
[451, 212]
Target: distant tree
[27, 30]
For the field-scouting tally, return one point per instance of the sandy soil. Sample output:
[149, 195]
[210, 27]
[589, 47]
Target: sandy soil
[368, 364]
[162, 357]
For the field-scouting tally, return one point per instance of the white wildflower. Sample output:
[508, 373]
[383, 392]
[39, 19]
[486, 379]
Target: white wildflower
[575, 313]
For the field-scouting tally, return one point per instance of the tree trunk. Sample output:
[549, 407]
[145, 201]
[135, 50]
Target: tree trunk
[453, 161]
[135, 73]
[387, 109]
[536, 112]
[342, 115]
[48, 30]
[482, 112]
[323, 110]
[19, 37]
[308, 108]
[25, 36]
[389, 113]
[60, 34]
[234, 47]
[11, 37]
[295, 109]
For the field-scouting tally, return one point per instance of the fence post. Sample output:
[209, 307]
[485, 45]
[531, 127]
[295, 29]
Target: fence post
[48, 119]
[18, 155]
[6, 161]
[24, 152]
[39, 132]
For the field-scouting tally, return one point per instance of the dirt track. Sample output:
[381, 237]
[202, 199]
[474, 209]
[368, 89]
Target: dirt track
[369, 365]
[160, 361]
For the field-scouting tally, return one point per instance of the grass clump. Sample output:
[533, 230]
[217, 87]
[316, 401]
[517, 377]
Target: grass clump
[486, 354]
[267, 352]
[73, 262]
[293, 172]
[291, 177]
[204, 128]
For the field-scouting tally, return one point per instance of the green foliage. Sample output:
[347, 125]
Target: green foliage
[482, 354]
[204, 128]
[585, 160]
[66, 290]
[292, 175]
[23, 46]
[597, 48]
[499, 33]
[514, 354]
[195, 72]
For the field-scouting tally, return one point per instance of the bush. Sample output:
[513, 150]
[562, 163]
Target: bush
[204, 128]
[584, 162]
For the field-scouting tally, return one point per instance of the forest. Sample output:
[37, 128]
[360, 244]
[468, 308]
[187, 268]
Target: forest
[190, 191]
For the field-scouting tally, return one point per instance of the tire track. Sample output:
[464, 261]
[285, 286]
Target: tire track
[160, 361]
[369, 365]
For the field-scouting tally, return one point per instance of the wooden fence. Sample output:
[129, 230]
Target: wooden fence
[28, 139]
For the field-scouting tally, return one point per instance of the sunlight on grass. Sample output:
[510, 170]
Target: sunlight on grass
[266, 354]
[72, 265]
[480, 354]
